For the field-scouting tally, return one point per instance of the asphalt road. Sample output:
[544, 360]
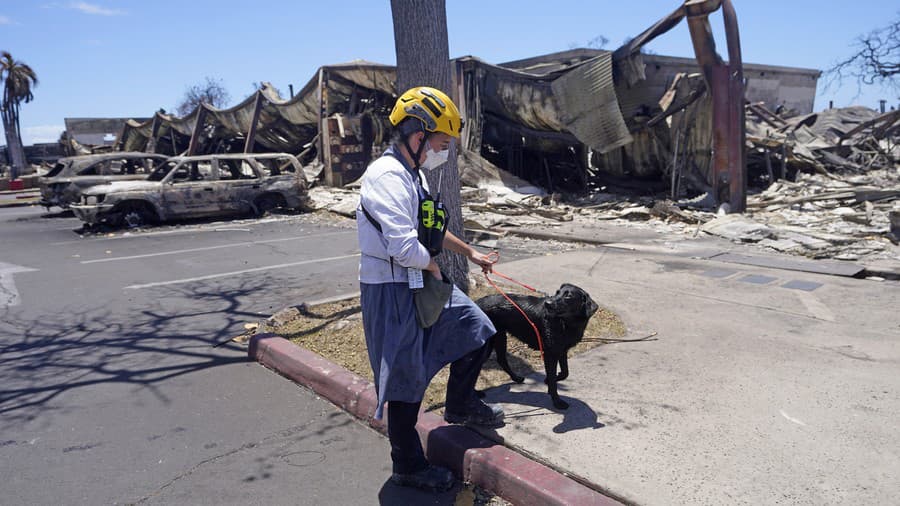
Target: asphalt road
[111, 389]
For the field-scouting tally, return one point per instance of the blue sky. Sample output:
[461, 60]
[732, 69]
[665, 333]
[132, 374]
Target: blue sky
[100, 58]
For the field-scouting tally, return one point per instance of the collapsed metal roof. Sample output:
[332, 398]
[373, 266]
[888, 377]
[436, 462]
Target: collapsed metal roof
[519, 92]
[522, 96]
[284, 125]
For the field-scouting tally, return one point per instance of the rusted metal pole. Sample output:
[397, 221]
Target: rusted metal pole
[154, 133]
[251, 132]
[323, 107]
[701, 35]
[198, 127]
[737, 128]
[726, 83]
[721, 132]
[120, 138]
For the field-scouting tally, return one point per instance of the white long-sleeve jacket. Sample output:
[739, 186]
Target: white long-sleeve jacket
[390, 194]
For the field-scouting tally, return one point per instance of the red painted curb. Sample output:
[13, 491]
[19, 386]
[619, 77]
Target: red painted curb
[327, 379]
[475, 458]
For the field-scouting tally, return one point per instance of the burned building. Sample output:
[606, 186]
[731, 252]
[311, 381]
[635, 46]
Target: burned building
[94, 131]
[337, 120]
[514, 117]
[43, 152]
[564, 120]
[664, 110]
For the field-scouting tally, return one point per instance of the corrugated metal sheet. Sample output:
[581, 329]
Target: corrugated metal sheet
[590, 109]
[284, 125]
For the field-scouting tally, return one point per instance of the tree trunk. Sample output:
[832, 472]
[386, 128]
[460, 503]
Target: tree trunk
[16, 149]
[423, 59]
[7, 131]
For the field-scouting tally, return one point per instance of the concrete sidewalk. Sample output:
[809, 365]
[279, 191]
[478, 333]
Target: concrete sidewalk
[765, 386]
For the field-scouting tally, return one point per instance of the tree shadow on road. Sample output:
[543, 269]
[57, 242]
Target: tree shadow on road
[75, 347]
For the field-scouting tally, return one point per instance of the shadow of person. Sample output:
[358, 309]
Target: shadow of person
[391, 495]
[578, 416]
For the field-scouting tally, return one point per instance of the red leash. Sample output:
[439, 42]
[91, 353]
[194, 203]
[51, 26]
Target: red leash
[513, 280]
[496, 257]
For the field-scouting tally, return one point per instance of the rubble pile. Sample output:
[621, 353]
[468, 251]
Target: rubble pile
[342, 201]
[852, 140]
[846, 181]
[816, 216]
[826, 216]
[832, 190]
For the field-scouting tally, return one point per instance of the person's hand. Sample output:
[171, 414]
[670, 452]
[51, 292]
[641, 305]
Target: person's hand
[434, 270]
[485, 261]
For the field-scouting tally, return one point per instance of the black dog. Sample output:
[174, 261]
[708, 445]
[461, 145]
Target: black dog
[560, 319]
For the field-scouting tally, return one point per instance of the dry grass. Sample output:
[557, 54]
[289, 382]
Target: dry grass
[335, 332]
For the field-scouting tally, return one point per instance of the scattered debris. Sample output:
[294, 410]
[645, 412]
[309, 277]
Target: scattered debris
[242, 338]
[337, 200]
[738, 228]
[834, 142]
[283, 316]
[845, 216]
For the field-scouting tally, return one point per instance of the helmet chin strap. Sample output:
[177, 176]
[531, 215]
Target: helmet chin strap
[417, 154]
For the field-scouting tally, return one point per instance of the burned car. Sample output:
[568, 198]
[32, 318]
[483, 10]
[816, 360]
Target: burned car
[199, 186]
[63, 184]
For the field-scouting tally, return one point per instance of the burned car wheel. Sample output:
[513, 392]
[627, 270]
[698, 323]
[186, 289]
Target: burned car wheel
[136, 215]
[267, 203]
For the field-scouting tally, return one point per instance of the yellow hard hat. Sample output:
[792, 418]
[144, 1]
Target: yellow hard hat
[432, 107]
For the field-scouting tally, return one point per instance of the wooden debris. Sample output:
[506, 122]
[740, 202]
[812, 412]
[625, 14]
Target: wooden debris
[635, 213]
[667, 209]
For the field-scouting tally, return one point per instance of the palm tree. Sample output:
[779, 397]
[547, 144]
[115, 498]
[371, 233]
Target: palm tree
[18, 79]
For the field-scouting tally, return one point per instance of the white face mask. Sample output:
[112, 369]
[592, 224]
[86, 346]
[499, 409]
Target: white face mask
[434, 159]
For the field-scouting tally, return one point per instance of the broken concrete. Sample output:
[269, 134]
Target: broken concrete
[738, 228]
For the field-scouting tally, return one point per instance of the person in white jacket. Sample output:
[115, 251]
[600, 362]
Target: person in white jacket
[395, 246]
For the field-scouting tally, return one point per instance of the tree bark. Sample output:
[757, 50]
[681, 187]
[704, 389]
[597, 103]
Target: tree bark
[423, 59]
[20, 164]
[6, 132]
[15, 150]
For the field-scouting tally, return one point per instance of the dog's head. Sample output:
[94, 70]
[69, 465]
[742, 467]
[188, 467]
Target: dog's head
[570, 301]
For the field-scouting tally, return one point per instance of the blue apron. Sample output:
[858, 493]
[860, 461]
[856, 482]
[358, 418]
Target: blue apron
[404, 356]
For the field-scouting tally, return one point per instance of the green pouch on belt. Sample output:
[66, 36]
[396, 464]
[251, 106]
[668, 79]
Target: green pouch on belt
[431, 299]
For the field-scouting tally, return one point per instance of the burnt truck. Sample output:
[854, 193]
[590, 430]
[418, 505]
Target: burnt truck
[63, 184]
[199, 186]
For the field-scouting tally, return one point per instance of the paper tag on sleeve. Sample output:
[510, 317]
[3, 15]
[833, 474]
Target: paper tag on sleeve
[415, 278]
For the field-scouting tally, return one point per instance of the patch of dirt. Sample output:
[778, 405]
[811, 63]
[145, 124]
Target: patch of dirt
[471, 495]
[335, 332]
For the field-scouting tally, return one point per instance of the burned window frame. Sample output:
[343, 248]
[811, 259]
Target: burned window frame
[193, 172]
[256, 173]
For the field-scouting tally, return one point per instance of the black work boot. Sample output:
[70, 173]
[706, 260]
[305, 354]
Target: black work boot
[477, 413]
[432, 478]
[463, 405]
